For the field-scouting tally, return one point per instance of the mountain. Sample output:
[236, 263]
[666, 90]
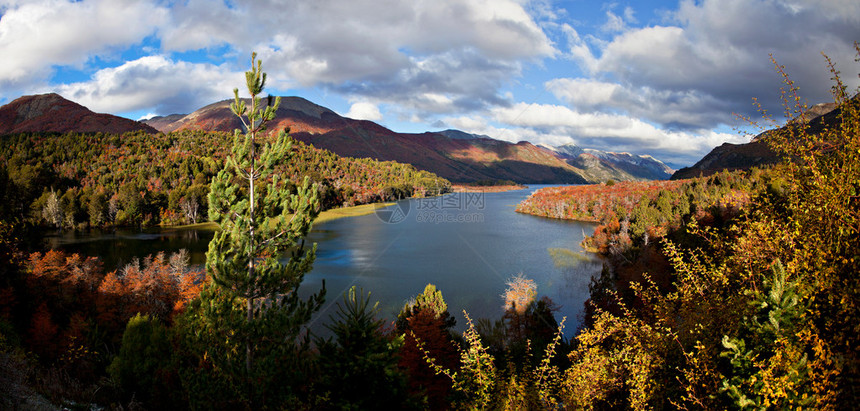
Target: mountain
[452, 154]
[162, 123]
[756, 152]
[730, 157]
[53, 113]
[461, 135]
[605, 165]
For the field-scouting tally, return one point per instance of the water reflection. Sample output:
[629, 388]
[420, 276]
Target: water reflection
[469, 260]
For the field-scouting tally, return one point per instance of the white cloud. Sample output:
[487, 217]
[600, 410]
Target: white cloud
[364, 111]
[334, 41]
[686, 109]
[153, 82]
[554, 125]
[35, 36]
[717, 52]
[614, 22]
[356, 47]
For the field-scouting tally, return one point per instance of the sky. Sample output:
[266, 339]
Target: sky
[671, 79]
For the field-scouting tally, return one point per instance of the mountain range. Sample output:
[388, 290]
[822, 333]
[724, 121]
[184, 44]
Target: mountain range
[452, 154]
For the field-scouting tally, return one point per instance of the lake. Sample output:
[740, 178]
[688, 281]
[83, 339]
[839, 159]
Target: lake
[467, 244]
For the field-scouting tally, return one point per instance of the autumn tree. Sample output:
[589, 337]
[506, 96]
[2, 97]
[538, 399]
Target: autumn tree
[249, 321]
[53, 211]
[425, 320]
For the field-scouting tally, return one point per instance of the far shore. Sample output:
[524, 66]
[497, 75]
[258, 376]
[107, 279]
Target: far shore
[327, 215]
[462, 188]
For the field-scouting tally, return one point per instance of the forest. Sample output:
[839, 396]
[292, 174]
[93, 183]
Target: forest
[736, 291]
[79, 181]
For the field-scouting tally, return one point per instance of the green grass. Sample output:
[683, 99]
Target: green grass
[324, 216]
[354, 211]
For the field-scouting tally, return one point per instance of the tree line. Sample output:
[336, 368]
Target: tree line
[76, 180]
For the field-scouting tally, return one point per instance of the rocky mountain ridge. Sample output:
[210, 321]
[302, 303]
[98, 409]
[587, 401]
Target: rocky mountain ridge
[53, 113]
[456, 155]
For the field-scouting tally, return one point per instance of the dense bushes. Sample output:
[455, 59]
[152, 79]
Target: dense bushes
[756, 304]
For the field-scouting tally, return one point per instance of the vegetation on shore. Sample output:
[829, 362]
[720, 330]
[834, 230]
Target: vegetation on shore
[76, 180]
[734, 291]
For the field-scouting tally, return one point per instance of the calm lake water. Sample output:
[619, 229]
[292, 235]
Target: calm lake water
[467, 244]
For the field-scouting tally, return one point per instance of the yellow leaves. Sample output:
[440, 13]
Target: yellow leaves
[616, 354]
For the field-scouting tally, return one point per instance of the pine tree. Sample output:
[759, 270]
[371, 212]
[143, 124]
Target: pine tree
[359, 368]
[252, 310]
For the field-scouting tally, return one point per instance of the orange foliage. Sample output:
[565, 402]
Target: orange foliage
[596, 202]
[73, 295]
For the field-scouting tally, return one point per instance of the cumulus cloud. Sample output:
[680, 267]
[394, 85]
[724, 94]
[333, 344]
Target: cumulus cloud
[713, 58]
[684, 109]
[364, 46]
[556, 125]
[335, 41]
[440, 84]
[154, 82]
[36, 36]
[425, 57]
[364, 111]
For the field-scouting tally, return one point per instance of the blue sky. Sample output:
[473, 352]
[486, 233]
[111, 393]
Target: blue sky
[663, 78]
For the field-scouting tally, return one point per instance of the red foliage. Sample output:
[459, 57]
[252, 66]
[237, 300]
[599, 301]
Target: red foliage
[431, 331]
[41, 336]
[596, 202]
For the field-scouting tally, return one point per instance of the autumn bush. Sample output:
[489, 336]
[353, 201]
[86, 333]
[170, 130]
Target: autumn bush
[760, 312]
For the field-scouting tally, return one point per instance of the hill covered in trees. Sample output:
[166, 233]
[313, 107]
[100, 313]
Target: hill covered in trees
[758, 153]
[99, 179]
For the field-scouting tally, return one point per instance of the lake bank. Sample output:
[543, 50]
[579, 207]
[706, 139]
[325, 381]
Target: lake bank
[462, 188]
[327, 215]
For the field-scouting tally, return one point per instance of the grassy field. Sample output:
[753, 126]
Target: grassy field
[354, 211]
[327, 215]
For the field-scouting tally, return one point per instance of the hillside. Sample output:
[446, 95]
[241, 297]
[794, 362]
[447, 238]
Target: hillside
[101, 179]
[452, 154]
[53, 113]
[756, 153]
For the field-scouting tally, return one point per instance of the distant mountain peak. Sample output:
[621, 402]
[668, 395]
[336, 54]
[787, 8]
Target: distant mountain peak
[217, 116]
[454, 154]
[462, 135]
[52, 113]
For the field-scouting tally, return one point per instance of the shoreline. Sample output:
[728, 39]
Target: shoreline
[325, 216]
[462, 188]
[353, 211]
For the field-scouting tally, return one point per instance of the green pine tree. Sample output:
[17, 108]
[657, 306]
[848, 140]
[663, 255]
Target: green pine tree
[358, 369]
[249, 322]
[766, 351]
